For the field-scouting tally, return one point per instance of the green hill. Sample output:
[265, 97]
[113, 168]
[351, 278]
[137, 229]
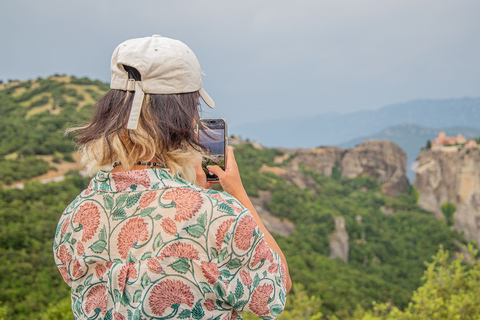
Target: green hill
[387, 251]
[33, 116]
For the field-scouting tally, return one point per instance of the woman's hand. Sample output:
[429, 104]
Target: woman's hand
[230, 178]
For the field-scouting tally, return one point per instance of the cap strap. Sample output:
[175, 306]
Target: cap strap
[131, 85]
[136, 106]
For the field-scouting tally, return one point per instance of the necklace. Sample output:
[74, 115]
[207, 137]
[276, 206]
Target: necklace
[144, 163]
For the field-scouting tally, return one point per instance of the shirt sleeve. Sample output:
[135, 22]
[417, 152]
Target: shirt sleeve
[254, 274]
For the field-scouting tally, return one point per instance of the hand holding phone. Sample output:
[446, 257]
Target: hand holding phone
[214, 138]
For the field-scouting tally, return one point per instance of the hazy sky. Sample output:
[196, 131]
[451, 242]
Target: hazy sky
[264, 59]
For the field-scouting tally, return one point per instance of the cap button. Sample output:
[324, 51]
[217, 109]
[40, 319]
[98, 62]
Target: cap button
[156, 36]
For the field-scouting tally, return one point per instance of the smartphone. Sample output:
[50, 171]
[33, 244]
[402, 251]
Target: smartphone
[215, 140]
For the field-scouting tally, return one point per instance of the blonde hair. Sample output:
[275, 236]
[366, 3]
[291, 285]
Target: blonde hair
[165, 133]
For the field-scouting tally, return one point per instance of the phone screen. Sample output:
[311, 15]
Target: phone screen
[214, 140]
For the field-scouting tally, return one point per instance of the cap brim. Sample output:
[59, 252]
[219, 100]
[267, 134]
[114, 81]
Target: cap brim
[206, 98]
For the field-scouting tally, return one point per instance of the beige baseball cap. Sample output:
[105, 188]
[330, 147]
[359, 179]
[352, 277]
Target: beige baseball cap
[166, 66]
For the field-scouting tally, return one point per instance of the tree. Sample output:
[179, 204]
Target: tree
[448, 209]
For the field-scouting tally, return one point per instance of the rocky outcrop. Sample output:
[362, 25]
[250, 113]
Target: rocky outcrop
[383, 160]
[448, 174]
[338, 240]
[283, 227]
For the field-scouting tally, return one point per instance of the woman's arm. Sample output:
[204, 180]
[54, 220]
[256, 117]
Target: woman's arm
[232, 184]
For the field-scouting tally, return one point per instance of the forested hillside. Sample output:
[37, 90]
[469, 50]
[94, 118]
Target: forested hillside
[389, 239]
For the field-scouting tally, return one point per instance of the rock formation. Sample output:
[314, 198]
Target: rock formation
[448, 174]
[338, 241]
[382, 160]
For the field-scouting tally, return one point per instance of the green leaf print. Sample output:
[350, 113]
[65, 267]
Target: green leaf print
[67, 236]
[79, 289]
[195, 231]
[146, 211]
[222, 254]
[73, 241]
[133, 199]
[231, 299]
[276, 309]
[89, 279]
[223, 207]
[131, 258]
[137, 315]
[219, 290]
[240, 304]
[256, 281]
[185, 314]
[119, 214]
[278, 280]
[197, 312]
[158, 217]
[145, 280]
[226, 274]
[137, 296]
[126, 298]
[205, 287]
[234, 263]
[103, 234]
[118, 295]
[158, 241]
[214, 252]
[109, 315]
[108, 201]
[180, 266]
[202, 220]
[146, 255]
[239, 290]
[98, 246]
[121, 200]
[283, 297]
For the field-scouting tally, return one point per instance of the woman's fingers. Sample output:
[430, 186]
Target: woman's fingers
[217, 170]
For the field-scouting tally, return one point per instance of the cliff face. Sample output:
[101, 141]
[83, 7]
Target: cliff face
[382, 160]
[450, 175]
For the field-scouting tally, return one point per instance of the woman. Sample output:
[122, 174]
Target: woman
[148, 240]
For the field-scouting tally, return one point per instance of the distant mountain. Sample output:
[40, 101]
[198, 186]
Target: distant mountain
[411, 138]
[333, 129]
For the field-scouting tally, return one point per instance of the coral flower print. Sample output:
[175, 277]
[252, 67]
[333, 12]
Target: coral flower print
[64, 273]
[65, 225]
[221, 233]
[147, 198]
[167, 293]
[273, 268]
[283, 270]
[169, 226]
[63, 255]
[262, 251]
[123, 180]
[100, 270]
[127, 271]
[180, 250]
[80, 248]
[118, 316]
[133, 231]
[187, 201]
[210, 271]
[209, 305]
[154, 265]
[259, 301]
[77, 269]
[244, 232]
[246, 278]
[89, 217]
[96, 298]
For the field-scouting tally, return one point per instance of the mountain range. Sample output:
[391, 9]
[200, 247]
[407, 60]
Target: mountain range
[336, 129]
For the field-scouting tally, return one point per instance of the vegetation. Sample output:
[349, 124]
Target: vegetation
[448, 209]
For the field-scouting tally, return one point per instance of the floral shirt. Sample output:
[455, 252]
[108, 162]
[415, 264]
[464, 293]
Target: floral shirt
[145, 244]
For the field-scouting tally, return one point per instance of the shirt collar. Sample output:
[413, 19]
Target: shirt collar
[136, 180]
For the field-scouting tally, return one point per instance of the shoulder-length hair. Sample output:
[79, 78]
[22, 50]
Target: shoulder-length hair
[166, 133]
